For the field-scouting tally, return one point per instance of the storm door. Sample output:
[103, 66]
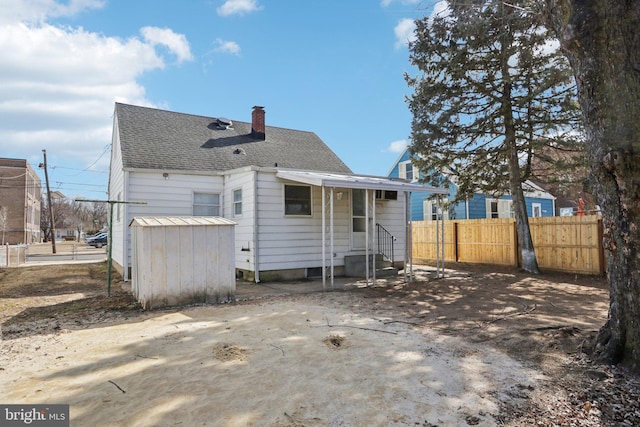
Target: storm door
[358, 219]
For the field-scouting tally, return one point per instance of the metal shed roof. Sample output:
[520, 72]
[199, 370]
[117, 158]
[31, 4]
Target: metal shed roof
[180, 221]
[327, 179]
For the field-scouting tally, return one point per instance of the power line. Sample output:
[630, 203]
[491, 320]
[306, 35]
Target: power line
[76, 169]
[80, 183]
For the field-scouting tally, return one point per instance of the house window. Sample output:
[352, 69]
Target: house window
[499, 208]
[406, 171]
[237, 202]
[206, 204]
[536, 209]
[431, 211]
[297, 200]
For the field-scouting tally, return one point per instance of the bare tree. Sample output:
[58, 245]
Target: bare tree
[4, 220]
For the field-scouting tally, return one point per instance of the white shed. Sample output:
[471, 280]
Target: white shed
[183, 260]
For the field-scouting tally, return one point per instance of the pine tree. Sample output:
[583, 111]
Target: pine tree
[491, 92]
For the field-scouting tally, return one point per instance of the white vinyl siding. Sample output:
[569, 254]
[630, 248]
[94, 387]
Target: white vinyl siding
[165, 197]
[285, 241]
[244, 230]
[117, 186]
[288, 242]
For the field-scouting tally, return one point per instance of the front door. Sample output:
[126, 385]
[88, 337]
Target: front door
[358, 219]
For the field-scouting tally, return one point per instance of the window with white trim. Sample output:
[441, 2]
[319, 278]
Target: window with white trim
[237, 202]
[497, 208]
[536, 209]
[407, 171]
[430, 209]
[206, 204]
[297, 200]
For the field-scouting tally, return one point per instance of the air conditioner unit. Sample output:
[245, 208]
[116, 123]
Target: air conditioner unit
[386, 195]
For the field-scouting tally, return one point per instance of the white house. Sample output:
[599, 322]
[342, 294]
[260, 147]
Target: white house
[299, 210]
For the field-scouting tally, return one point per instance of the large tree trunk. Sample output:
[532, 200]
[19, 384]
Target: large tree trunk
[529, 260]
[602, 41]
[525, 241]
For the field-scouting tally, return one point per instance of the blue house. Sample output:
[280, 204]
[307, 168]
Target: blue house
[539, 202]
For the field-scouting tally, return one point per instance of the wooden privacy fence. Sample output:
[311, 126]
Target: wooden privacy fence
[572, 244]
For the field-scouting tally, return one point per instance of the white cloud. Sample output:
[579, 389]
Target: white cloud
[441, 8]
[227, 46]
[59, 84]
[404, 32]
[176, 43]
[385, 3]
[39, 10]
[397, 146]
[232, 7]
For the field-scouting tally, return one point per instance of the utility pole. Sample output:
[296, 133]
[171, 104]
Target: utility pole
[46, 177]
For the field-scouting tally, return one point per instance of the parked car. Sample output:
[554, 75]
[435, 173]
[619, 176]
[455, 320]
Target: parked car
[99, 242]
[91, 238]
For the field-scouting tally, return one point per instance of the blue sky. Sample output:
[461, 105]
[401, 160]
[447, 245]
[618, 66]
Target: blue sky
[333, 67]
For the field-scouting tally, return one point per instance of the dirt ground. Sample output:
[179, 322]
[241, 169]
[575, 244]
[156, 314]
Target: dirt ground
[483, 346]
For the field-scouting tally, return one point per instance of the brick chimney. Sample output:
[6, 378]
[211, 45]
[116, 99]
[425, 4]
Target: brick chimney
[257, 123]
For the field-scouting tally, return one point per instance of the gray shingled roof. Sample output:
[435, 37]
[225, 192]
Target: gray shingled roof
[158, 139]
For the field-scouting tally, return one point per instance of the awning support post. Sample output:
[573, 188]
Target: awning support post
[324, 240]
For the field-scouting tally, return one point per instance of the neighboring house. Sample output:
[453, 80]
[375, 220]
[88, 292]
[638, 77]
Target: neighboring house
[20, 199]
[65, 231]
[539, 202]
[299, 210]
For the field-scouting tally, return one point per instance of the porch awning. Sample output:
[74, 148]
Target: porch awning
[326, 179]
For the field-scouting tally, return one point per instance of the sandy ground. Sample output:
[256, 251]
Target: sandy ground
[312, 361]
[477, 348]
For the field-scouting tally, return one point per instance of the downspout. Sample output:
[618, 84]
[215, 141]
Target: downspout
[324, 239]
[125, 227]
[404, 219]
[331, 234]
[366, 234]
[256, 224]
[373, 237]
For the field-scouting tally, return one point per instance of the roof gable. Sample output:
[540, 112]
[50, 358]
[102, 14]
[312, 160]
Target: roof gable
[159, 139]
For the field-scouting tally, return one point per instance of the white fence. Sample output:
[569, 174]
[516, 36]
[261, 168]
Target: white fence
[12, 256]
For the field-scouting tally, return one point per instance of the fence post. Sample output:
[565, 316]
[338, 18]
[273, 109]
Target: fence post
[455, 241]
[516, 252]
[601, 260]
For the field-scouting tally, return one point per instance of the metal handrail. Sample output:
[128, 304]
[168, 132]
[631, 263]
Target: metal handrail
[385, 242]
